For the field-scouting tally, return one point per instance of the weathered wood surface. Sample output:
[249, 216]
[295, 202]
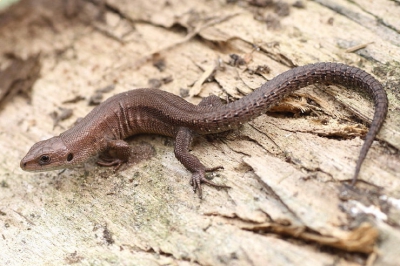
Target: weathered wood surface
[288, 204]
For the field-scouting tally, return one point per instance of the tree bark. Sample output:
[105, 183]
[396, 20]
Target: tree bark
[289, 202]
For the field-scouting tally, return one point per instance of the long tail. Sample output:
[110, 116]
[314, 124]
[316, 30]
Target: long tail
[269, 94]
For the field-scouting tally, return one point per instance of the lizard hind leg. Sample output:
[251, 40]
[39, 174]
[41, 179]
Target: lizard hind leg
[117, 153]
[183, 140]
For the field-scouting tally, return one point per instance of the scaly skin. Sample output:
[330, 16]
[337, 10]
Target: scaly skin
[102, 131]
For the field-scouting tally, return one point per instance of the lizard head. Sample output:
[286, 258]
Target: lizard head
[50, 154]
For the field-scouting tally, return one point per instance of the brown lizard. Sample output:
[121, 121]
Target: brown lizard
[138, 111]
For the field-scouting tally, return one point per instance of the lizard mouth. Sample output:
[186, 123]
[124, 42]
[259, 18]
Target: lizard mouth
[29, 165]
[25, 165]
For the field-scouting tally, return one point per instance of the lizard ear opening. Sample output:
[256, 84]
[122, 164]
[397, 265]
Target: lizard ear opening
[70, 157]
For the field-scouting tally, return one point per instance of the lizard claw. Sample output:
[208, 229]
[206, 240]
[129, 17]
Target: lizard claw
[199, 177]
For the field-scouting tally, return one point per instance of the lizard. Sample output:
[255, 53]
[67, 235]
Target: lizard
[102, 132]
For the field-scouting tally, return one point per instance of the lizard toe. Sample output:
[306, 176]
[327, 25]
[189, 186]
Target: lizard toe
[199, 177]
[212, 169]
[117, 163]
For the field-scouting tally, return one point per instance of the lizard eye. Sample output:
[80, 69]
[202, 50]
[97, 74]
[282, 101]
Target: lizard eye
[70, 157]
[44, 159]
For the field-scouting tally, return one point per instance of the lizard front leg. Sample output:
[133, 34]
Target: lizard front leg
[183, 140]
[116, 154]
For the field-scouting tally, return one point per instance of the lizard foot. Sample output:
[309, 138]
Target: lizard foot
[199, 177]
[108, 162]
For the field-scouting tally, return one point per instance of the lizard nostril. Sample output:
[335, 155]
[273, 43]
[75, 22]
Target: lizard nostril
[23, 164]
